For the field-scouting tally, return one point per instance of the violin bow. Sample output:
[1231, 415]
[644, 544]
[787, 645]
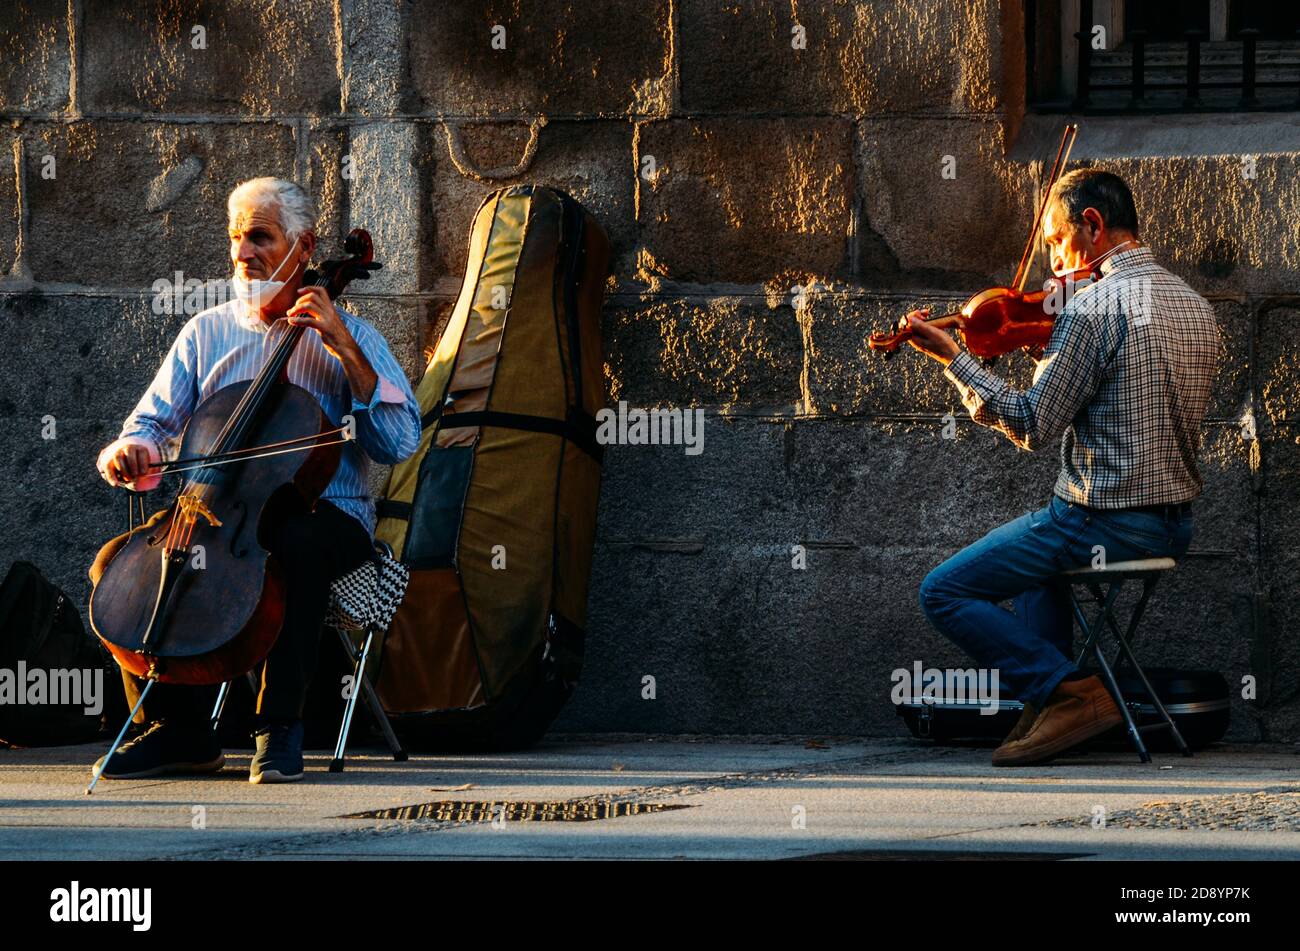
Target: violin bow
[1062, 156]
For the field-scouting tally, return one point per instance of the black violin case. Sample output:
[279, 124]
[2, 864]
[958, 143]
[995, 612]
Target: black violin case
[1197, 700]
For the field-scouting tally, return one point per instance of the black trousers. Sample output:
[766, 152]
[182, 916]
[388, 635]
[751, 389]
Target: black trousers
[314, 549]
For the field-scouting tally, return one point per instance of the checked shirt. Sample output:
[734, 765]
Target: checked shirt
[1124, 381]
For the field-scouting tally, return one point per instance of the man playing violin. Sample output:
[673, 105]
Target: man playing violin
[347, 366]
[1125, 382]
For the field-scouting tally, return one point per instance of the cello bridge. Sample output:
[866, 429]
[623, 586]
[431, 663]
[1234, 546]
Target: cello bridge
[192, 505]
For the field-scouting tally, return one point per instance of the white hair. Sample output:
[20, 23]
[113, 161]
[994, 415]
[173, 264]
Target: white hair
[293, 205]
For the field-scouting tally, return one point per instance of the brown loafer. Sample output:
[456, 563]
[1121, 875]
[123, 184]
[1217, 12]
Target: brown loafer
[1077, 711]
[1027, 718]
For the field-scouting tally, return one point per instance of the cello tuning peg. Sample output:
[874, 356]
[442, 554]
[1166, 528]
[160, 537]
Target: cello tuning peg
[889, 354]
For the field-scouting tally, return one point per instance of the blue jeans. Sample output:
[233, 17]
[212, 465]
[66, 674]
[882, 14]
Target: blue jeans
[1032, 649]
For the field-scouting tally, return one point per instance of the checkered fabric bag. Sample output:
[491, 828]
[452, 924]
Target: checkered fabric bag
[368, 595]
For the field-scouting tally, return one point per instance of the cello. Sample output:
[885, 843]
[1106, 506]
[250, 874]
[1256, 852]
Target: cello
[999, 320]
[256, 451]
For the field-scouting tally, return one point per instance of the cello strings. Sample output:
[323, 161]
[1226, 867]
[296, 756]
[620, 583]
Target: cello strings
[169, 545]
[265, 378]
[189, 531]
[174, 534]
[183, 523]
[189, 521]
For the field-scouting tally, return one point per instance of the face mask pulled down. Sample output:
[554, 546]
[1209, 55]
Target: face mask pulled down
[257, 294]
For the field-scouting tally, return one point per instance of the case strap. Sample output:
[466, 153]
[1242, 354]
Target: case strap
[577, 427]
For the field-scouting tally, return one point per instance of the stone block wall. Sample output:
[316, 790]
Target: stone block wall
[735, 150]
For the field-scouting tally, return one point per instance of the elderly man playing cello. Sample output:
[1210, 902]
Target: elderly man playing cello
[347, 366]
[1126, 389]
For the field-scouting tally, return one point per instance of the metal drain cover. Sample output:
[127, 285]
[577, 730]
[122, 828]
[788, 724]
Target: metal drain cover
[463, 810]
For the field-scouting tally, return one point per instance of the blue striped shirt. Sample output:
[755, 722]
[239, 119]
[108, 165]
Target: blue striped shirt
[226, 344]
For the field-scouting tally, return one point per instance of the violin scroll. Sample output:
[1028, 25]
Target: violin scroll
[887, 343]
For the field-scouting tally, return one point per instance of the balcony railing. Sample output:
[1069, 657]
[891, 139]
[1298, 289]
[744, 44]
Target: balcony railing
[1186, 76]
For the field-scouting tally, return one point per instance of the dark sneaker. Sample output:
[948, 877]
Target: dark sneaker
[164, 749]
[279, 754]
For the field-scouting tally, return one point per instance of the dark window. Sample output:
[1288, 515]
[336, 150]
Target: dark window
[1135, 56]
[1275, 21]
[1167, 19]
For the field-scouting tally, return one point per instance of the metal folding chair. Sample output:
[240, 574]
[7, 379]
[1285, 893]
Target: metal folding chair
[360, 687]
[1113, 577]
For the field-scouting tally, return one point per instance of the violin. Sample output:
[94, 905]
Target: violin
[999, 320]
[255, 451]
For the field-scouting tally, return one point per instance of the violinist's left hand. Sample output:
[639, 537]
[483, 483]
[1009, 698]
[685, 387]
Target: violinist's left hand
[932, 341]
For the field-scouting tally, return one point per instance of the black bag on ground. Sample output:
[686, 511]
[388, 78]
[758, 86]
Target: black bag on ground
[1197, 700]
[46, 655]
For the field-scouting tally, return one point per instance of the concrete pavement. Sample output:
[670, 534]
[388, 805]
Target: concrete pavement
[746, 797]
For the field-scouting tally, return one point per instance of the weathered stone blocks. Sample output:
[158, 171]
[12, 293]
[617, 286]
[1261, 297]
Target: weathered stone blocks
[744, 200]
[1217, 229]
[941, 204]
[705, 564]
[592, 161]
[56, 509]
[148, 198]
[550, 58]
[238, 57]
[1278, 363]
[732, 352]
[401, 322]
[86, 357]
[9, 210]
[845, 376]
[386, 200]
[35, 68]
[873, 58]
